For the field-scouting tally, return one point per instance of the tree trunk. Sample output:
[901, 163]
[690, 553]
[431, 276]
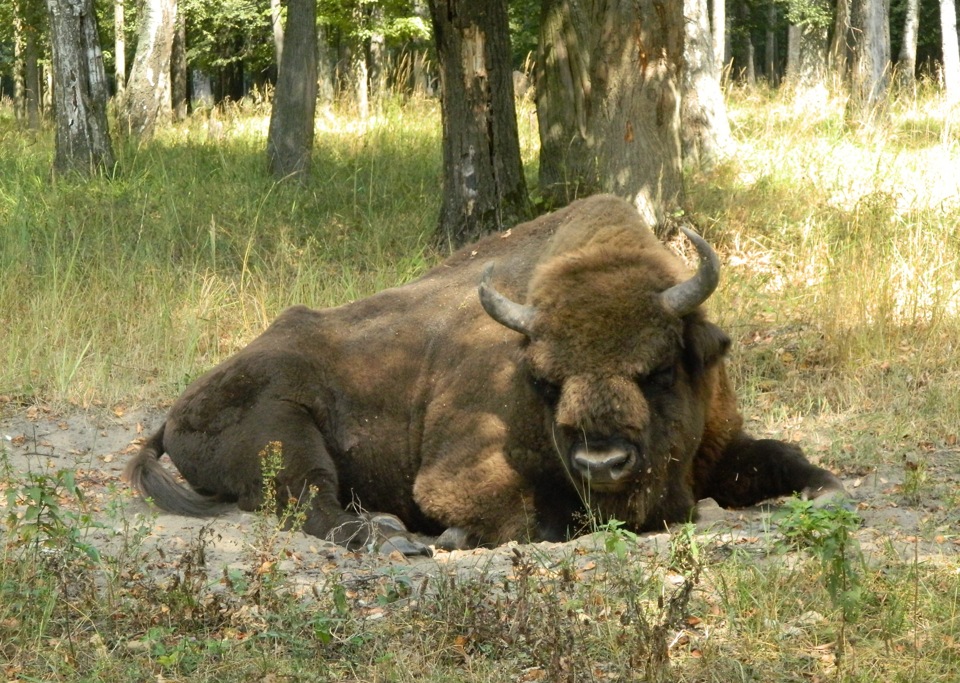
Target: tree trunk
[376, 52]
[119, 49]
[326, 71]
[704, 128]
[148, 102]
[806, 57]
[770, 46]
[608, 102]
[484, 189]
[719, 22]
[179, 94]
[31, 78]
[951, 51]
[276, 22]
[838, 58]
[80, 94]
[906, 73]
[869, 40]
[290, 138]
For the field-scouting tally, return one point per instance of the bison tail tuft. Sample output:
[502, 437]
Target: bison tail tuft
[148, 477]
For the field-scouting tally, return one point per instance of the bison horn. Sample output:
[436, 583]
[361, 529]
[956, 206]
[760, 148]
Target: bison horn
[682, 298]
[518, 317]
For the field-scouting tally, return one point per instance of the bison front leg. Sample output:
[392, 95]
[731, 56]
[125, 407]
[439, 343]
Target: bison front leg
[480, 498]
[308, 477]
[749, 470]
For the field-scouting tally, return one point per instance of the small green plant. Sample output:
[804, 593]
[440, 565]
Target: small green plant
[914, 480]
[276, 517]
[828, 533]
[36, 518]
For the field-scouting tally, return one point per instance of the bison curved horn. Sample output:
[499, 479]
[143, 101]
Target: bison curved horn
[682, 298]
[517, 317]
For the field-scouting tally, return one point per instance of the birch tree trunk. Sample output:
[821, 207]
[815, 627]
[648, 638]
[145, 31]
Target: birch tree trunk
[719, 42]
[608, 102]
[290, 138]
[907, 60]
[80, 93]
[148, 101]
[704, 127]
[951, 51]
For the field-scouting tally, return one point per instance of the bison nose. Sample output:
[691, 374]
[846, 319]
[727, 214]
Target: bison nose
[604, 467]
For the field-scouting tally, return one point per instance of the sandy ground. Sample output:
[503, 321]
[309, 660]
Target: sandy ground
[97, 444]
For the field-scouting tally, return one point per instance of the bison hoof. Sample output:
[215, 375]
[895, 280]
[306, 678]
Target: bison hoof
[405, 546]
[827, 493]
[454, 538]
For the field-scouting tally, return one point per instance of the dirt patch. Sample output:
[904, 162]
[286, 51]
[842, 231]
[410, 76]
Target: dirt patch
[96, 446]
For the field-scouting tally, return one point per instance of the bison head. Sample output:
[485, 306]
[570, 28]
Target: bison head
[618, 351]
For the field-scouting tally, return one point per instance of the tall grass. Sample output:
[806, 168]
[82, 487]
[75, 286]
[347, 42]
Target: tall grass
[125, 287]
[842, 278]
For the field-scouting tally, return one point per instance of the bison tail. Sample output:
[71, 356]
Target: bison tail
[148, 477]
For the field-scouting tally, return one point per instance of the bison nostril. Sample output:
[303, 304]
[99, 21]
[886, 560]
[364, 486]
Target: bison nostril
[603, 466]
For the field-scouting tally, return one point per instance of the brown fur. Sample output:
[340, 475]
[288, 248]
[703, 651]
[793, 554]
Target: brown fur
[416, 403]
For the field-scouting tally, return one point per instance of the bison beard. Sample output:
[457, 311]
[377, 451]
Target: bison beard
[602, 395]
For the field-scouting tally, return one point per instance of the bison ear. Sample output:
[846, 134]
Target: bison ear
[704, 344]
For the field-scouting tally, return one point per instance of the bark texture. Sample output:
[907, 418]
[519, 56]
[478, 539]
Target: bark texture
[484, 189]
[869, 41]
[608, 101]
[148, 96]
[907, 59]
[290, 138]
[704, 130]
[951, 51]
[80, 89]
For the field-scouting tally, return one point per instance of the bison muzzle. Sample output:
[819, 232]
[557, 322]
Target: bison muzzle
[581, 382]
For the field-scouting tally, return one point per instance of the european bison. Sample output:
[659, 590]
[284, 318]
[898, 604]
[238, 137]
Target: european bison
[487, 419]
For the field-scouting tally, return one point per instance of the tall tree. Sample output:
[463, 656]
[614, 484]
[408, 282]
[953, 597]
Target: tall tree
[148, 102]
[276, 22]
[869, 40]
[807, 44]
[705, 129]
[719, 34]
[608, 101]
[80, 89]
[951, 52]
[27, 16]
[907, 59]
[119, 47]
[838, 57]
[483, 184]
[179, 97]
[290, 137]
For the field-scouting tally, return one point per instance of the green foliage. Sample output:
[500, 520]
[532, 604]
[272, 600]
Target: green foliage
[37, 519]
[828, 533]
[812, 13]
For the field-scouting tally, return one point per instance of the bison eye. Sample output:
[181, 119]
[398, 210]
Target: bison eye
[549, 392]
[661, 378]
